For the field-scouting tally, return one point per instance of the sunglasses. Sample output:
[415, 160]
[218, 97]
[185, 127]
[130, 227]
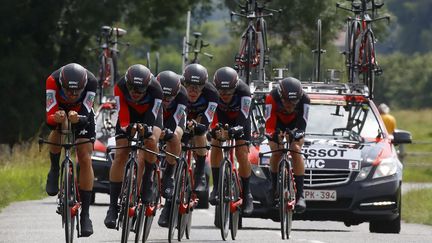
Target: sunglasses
[137, 90]
[226, 92]
[73, 92]
[293, 102]
[194, 87]
[168, 98]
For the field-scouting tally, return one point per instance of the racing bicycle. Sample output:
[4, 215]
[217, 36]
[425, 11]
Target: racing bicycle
[360, 56]
[286, 189]
[230, 195]
[68, 198]
[108, 71]
[253, 51]
[129, 194]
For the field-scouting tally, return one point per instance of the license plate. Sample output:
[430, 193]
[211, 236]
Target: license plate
[320, 195]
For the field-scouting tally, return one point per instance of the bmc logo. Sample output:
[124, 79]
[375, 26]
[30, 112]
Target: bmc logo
[315, 163]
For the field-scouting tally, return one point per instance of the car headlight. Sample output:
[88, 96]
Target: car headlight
[387, 167]
[363, 174]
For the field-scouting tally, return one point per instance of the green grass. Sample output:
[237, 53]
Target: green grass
[416, 207]
[23, 174]
[419, 123]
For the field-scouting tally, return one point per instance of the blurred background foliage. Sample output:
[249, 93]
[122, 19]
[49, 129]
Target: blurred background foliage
[38, 37]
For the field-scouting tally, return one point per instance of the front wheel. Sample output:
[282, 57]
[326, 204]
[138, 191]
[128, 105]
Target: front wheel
[129, 199]
[224, 198]
[186, 217]
[286, 197]
[368, 65]
[176, 200]
[68, 202]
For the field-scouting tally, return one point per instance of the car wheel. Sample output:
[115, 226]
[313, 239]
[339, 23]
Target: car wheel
[387, 226]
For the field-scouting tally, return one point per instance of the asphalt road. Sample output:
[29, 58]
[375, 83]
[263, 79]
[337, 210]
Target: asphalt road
[36, 221]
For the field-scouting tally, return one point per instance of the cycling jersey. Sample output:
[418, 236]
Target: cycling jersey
[175, 114]
[205, 106]
[56, 100]
[236, 113]
[147, 110]
[277, 117]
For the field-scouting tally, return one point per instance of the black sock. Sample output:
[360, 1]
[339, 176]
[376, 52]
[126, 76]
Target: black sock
[215, 174]
[55, 159]
[274, 179]
[169, 170]
[115, 188]
[85, 197]
[245, 184]
[200, 164]
[299, 179]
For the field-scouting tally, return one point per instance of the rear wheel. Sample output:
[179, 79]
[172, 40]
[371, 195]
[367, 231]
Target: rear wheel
[235, 195]
[249, 57]
[368, 65]
[224, 198]
[352, 55]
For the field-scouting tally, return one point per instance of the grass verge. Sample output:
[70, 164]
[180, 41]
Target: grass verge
[23, 173]
[416, 206]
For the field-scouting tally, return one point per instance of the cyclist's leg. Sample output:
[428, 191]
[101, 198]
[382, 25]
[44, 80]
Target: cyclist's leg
[200, 157]
[174, 147]
[86, 176]
[149, 161]
[54, 152]
[116, 177]
[299, 170]
[274, 163]
[215, 159]
[242, 155]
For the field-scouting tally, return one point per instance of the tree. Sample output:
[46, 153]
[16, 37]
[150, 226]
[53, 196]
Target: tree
[40, 36]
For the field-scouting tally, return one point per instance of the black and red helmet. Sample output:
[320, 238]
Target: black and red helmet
[170, 83]
[73, 77]
[138, 78]
[225, 78]
[195, 74]
[290, 89]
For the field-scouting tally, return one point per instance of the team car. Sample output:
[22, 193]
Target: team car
[352, 170]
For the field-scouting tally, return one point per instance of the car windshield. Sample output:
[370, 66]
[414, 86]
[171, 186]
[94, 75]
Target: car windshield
[354, 121]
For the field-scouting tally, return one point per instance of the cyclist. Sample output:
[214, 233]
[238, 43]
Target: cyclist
[287, 106]
[233, 109]
[202, 103]
[70, 92]
[174, 113]
[139, 99]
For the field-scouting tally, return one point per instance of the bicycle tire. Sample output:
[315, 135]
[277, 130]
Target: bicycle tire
[144, 222]
[235, 194]
[173, 222]
[224, 197]
[249, 59]
[68, 202]
[318, 68]
[185, 219]
[353, 53]
[285, 196]
[369, 64]
[128, 200]
[102, 75]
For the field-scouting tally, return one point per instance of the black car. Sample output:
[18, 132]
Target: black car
[353, 173]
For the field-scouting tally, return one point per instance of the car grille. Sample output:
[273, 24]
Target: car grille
[317, 178]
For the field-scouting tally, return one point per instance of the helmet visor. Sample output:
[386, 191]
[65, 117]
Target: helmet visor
[139, 89]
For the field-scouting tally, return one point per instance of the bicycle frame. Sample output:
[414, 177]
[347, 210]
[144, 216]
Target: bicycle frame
[68, 198]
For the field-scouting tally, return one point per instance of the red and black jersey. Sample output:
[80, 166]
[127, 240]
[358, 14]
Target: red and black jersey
[129, 108]
[57, 100]
[278, 117]
[175, 113]
[237, 111]
[205, 106]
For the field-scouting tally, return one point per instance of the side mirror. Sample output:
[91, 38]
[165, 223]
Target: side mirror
[401, 136]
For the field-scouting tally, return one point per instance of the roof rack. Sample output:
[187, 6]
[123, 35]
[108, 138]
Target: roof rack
[336, 88]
